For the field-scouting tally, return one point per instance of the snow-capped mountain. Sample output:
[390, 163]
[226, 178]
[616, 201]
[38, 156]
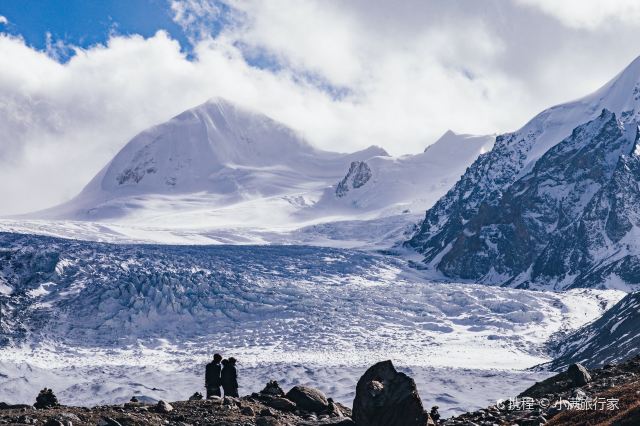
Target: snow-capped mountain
[612, 338]
[223, 152]
[219, 173]
[553, 204]
[386, 185]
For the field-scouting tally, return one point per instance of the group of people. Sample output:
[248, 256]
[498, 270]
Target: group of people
[221, 373]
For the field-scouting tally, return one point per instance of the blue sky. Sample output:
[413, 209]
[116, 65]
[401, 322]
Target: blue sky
[85, 23]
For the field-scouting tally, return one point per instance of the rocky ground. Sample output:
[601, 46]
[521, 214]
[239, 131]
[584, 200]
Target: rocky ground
[250, 410]
[384, 397]
[604, 396]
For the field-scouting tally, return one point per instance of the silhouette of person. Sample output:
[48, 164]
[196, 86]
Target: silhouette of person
[230, 377]
[212, 379]
[435, 415]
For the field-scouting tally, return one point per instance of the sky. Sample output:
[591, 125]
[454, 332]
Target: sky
[79, 78]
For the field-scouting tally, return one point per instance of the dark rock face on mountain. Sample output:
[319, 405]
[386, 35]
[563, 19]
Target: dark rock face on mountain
[612, 338]
[359, 173]
[385, 397]
[565, 220]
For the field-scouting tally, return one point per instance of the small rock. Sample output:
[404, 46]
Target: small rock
[578, 375]
[267, 412]
[247, 411]
[67, 419]
[579, 394]
[196, 397]
[54, 422]
[334, 409]
[272, 388]
[279, 403]
[26, 420]
[308, 398]
[164, 407]
[108, 421]
[267, 421]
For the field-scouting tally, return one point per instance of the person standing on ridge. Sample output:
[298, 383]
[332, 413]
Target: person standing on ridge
[230, 377]
[212, 378]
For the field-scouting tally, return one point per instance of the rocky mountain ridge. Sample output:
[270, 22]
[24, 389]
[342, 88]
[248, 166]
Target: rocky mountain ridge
[612, 338]
[545, 208]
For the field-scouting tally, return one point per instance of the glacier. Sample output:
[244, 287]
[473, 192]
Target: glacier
[106, 321]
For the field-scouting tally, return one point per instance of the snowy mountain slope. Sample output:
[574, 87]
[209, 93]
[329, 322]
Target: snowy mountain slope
[221, 174]
[372, 234]
[610, 339]
[103, 321]
[221, 153]
[384, 185]
[495, 224]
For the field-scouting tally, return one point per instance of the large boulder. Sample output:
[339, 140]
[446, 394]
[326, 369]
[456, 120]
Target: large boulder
[308, 399]
[578, 375]
[385, 397]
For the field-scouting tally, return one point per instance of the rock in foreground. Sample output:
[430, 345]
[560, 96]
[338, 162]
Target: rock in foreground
[385, 397]
[308, 399]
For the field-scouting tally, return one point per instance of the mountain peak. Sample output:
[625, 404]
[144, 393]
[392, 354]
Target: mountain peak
[453, 145]
[545, 222]
[229, 152]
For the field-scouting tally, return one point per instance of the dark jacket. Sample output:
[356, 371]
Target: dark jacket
[229, 379]
[212, 375]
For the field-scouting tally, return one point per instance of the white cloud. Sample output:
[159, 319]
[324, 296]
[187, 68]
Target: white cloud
[3, 20]
[589, 14]
[408, 71]
[195, 16]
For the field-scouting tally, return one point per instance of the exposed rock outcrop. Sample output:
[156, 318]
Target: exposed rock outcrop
[559, 222]
[359, 174]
